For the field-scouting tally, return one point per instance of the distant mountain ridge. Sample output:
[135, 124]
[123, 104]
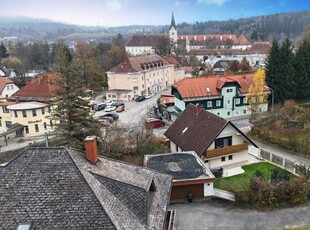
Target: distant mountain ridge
[255, 28]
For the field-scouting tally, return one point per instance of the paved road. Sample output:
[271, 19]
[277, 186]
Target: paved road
[216, 216]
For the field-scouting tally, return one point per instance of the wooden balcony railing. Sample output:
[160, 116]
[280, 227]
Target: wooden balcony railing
[226, 150]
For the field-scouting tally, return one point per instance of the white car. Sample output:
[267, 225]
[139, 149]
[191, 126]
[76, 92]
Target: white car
[110, 108]
[109, 103]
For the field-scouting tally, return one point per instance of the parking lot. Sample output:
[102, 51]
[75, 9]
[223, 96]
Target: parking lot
[135, 111]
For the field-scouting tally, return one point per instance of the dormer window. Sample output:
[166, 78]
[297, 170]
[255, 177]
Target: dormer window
[208, 89]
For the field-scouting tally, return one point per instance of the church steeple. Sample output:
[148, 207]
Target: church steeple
[172, 21]
[173, 34]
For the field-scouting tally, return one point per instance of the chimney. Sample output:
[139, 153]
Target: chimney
[225, 72]
[17, 99]
[198, 108]
[91, 150]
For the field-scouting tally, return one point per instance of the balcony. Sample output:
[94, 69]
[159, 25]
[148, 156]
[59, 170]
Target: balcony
[226, 150]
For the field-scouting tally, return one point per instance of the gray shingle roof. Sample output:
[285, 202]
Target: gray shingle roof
[56, 188]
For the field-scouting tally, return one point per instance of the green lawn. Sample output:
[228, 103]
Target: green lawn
[242, 181]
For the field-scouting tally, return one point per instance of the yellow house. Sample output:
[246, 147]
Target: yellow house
[34, 116]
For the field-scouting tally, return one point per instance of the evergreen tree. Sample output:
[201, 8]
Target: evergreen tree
[274, 77]
[3, 51]
[287, 69]
[245, 65]
[72, 115]
[302, 70]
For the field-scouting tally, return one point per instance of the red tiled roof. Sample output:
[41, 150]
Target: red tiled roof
[167, 99]
[193, 131]
[202, 39]
[146, 39]
[40, 87]
[197, 87]
[260, 47]
[3, 82]
[172, 60]
[139, 63]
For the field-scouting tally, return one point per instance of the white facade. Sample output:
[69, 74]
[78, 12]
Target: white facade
[9, 90]
[139, 50]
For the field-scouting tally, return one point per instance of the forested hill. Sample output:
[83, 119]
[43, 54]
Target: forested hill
[262, 27]
[266, 27]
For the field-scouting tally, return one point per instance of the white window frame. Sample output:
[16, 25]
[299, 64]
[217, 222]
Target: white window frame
[245, 100]
[228, 102]
[218, 102]
[237, 101]
[209, 104]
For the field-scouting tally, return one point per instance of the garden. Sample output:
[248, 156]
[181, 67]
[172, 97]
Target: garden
[264, 185]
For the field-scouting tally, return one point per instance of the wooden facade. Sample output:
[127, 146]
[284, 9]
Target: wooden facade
[226, 150]
[181, 192]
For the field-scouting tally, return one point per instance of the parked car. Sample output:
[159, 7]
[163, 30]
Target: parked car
[109, 103]
[99, 107]
[117, 104]
[149, 96]
[112, 115]
[110, 108]
[152, 123]
[140, 98]
[120, 108]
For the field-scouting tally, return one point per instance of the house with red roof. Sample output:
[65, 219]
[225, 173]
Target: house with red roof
[139, 75]
[7, 87]
[224, 96]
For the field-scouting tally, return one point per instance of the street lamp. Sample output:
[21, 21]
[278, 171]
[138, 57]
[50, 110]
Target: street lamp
[272, 97]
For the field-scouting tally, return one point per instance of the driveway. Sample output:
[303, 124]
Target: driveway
[214, 215]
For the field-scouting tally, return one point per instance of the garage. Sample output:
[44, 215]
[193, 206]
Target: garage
[190, 176]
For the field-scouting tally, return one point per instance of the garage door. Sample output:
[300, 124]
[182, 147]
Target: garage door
[180, 192]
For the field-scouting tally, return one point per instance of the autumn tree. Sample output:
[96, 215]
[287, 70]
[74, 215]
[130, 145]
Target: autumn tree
[72, 115]
[114, 56]
[256, 95]
[234, 66]
[163, 46]
[85, 60]
[244, 65]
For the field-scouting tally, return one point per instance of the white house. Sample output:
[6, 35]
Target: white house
[7, 87]
[218, 142]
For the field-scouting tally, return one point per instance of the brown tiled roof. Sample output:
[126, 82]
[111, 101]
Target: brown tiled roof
[3, 82]
[5, 102]
[167, 99]
[194, 131]
[146, 39]
[40, 87]
[172, 60]
[260, 47]
[197, 87]
[218, 52]
[139, 63]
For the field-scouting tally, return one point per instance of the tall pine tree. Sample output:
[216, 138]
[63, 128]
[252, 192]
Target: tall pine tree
[280, 71]
[302, 70]
[72, 113]
[3, 51]
[273, 78]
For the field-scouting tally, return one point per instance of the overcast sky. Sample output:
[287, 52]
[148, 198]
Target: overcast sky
[142, 12]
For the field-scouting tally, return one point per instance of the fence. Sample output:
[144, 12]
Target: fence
[281, 161]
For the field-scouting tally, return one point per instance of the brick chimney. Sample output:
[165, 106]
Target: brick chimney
[91, 150]
[17, 99]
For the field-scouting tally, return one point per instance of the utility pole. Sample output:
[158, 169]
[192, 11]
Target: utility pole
[46, 139]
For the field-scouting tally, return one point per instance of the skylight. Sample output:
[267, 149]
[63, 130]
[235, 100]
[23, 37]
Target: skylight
[208, 89]
[24, 226]
[184, 130]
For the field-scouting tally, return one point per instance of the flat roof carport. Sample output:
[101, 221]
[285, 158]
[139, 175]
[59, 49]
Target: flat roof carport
[15, 127]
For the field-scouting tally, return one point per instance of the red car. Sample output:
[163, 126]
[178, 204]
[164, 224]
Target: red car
[154, 123]
[120, 108]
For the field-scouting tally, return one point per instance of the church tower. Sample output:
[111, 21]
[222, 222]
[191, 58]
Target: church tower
[173, 30]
